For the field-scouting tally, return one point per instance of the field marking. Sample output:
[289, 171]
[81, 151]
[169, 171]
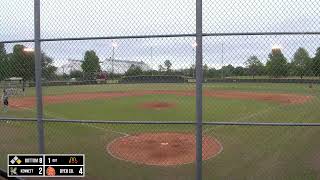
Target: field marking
[46, 112]
[107, 130]
[249, 116]
[220, 151]
[89, 125]
[24, 108]
[85, 124]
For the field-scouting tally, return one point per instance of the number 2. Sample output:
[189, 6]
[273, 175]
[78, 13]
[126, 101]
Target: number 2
[40, 170]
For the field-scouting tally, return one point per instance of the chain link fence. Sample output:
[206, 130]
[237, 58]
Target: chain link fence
[164, 89]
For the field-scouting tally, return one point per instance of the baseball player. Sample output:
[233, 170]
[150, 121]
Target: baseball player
[5, 101]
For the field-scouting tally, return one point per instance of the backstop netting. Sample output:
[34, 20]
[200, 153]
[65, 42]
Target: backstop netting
[14, 86]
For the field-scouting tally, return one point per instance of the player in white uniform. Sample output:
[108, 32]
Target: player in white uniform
[5, 101]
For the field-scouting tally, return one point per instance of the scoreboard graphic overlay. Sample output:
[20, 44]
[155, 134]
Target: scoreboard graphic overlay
[46, 165]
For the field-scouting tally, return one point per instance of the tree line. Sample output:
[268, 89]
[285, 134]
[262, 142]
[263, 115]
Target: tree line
[277, 66]
[20, 63]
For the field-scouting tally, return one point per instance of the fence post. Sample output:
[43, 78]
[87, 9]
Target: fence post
[199, 80]
[37, 56]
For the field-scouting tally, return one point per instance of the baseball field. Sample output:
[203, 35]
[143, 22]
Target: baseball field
[158, 152]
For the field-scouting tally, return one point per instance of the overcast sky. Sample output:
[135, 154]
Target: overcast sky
[91, 18]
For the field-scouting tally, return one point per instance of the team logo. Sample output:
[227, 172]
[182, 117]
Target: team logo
[15, 160]
[73, 160]
[13, 170]
[51, 171]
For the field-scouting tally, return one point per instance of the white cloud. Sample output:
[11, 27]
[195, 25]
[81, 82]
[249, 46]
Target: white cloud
[79, 18]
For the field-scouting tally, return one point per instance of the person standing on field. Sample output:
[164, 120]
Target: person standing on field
[5, 100]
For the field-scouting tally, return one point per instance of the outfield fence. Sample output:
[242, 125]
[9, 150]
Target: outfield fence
[146, 47]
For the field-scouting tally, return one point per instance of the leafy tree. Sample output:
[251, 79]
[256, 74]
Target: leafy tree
[240, 71]
[226, 71]
[3, 62]
[301, 63]
[3, 53]
[161, 68]
[21, 63]
[316, 63]
[212, 73]
[151, 72]
[167, 64]
[63, 77]
[254, 66]
[90, 65]
[192, 71]
[205, 70]
[48, 70]
[134, 71]
[277, 64]
[76, 74]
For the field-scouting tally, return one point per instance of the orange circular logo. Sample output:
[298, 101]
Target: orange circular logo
[51, 171]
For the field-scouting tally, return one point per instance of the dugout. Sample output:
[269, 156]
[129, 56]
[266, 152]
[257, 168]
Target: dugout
[15, 86]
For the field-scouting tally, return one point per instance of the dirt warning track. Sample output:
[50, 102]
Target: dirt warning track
[283, 98]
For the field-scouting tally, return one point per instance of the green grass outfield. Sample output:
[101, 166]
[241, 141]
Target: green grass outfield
[248, 152]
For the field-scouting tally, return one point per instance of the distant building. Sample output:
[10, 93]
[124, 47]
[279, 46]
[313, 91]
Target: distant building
[121, 66]
[109, 65]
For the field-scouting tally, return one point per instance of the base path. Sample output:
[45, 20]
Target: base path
[283, 98]
[162, 149]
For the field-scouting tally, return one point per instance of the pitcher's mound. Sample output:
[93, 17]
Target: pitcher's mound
[157, 105]
[162, 149]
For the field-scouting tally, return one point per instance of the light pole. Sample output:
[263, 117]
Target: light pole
[151, 53]
[222, 59]
[26, 49]
[276, 47]
[114, 45]
[194, 47]
[151, 58]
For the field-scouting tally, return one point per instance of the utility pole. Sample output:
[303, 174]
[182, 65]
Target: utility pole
[222, 59]
[151, 57]
[114, 45]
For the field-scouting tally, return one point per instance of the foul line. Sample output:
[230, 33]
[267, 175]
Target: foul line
[89, 125]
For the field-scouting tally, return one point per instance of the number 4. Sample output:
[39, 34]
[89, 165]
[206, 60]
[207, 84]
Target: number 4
[80, 171]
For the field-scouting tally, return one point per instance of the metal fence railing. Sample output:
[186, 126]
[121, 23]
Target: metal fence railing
[164, 90]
